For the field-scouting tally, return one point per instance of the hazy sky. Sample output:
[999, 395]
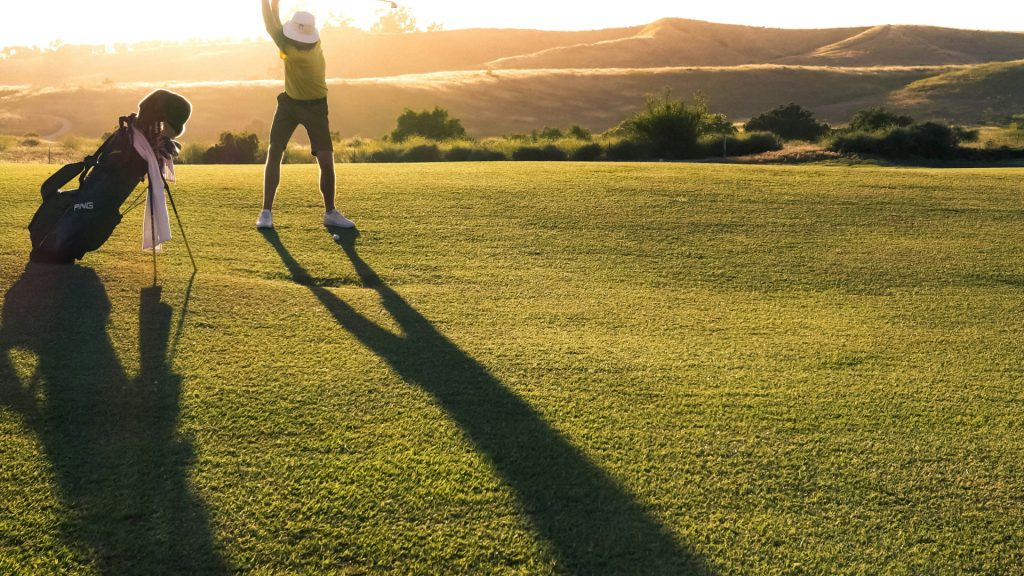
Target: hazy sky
[108, 21]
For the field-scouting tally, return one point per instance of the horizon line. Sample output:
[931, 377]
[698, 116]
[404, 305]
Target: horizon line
[260, 37]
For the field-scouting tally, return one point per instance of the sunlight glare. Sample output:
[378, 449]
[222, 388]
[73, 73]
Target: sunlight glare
[41, 22]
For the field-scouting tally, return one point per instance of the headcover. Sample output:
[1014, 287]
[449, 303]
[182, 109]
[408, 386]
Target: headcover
[170, 108]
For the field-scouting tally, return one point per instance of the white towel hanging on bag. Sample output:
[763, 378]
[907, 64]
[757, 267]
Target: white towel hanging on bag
[156, 215]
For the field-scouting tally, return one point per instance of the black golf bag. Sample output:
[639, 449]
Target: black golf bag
[70, 223]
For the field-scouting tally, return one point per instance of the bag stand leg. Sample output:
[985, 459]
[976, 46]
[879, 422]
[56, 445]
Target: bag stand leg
[152, 228]
[181, 227]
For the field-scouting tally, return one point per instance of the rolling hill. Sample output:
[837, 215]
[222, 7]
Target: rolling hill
[986, 90]
[488, 103]
[917, 46]
[501, 81]
[674, 42]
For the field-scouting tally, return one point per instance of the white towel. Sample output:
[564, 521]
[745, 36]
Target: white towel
[157, 214]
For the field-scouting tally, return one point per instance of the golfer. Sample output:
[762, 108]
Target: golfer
[304, 102]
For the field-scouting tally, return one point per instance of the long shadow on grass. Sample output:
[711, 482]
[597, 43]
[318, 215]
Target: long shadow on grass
[112, 442]
[593, 525]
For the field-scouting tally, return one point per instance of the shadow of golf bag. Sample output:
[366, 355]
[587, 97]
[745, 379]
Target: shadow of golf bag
[70, 223]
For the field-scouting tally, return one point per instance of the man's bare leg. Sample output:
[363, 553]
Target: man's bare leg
[332, 218]
[272, 176]
[328, 181]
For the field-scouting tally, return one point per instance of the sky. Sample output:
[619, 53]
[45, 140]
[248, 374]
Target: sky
[40, 22]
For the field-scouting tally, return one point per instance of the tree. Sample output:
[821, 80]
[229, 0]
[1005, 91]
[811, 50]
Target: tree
[579, 133]
[789, 122]
[878, 118]
[397, 21]
[434, 125]
[340, 21]
[551, 134]
[234, 149]
[717, 124]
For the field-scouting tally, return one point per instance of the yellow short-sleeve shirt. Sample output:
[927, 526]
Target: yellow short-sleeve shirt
[305, 72]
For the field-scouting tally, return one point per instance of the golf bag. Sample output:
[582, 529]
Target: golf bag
[70, 223]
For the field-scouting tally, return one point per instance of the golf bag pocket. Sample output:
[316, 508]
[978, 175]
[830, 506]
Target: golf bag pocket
[69, 224]
[44, 224]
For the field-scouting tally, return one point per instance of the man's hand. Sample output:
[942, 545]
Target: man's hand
[272, 17]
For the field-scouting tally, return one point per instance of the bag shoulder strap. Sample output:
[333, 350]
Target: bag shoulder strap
[60, 179]
[82, 169]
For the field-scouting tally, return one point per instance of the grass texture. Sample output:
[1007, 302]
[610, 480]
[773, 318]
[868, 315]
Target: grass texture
[526, 369]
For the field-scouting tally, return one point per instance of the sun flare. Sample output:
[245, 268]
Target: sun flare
[42, 22]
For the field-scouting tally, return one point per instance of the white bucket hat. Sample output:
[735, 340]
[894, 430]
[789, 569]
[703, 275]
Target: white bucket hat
[302, 28]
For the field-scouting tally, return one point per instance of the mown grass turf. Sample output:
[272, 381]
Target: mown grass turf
[527, 369]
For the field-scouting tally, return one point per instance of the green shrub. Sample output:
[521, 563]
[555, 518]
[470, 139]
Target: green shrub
[550, 134]
[458, 154]
[577, 132]
[670, 127]
[789, 122]
[756, 143]
[480, 155]
[192, 153]
[628, 151]
[422, 153]
[385, 156]
[433, 125]
[549, 153]
[30, 140]
[295, 155]
[927, 141]
[235, 149]
[740, 145]
[878, 118]
[506, 146]
[71, 142]
[588, 153]
[966, 134]
[717, 124]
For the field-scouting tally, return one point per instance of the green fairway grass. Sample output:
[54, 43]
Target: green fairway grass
[526, 369]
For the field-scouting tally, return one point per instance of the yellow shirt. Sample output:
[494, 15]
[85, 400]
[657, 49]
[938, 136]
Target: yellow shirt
[305, 72]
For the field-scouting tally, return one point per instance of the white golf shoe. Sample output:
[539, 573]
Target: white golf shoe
[265, 221]
[334, 219]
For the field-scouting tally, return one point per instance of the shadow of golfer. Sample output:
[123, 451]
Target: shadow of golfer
[592, 523]
[112, 442]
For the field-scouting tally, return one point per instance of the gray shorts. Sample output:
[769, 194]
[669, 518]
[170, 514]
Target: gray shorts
[312, 114]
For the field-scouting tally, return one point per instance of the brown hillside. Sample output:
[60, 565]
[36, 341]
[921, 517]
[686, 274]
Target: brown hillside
[917, 46]
[676, 42]
[988, 92]
[488, 104]
[357, 54]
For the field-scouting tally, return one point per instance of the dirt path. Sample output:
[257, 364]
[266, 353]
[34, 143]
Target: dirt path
[65, 127]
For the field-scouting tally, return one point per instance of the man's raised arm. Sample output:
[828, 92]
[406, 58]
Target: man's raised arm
[272, 18]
